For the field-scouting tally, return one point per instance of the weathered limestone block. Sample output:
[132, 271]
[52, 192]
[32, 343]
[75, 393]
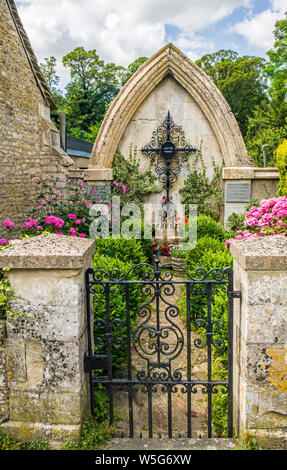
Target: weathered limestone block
[46, 336]
[28, 138]
[260, 332]
[262, 184]
[4, 390]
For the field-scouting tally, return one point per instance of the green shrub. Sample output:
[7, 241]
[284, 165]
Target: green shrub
[117, 308]
[236, 222]
[178, 253]
[126, 250]
[116, 257]
[281, 162]
[200, 190]
[207, 226]
[204, 244]
[207, 260]
[6, 294]
[215, 259]
[211, 253]
[220, 399]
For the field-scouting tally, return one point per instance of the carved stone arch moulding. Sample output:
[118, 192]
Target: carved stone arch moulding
[170, 60]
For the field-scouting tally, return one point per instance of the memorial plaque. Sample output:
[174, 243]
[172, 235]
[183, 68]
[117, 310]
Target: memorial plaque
[238, 192]
[168, 149]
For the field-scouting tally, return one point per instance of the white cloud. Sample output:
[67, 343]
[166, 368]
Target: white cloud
[258, 28]
[193, 45]
[123, 30]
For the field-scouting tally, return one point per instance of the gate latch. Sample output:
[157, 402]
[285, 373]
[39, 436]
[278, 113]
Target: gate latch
[234, 294]
[96, 361]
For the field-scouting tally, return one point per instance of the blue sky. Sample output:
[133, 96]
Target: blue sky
[123, 30]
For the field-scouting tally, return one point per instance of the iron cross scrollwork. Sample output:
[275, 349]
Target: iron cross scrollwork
[170, 149]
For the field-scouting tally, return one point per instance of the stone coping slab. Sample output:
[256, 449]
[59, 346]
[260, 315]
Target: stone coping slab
[49, 251]
[172, 444]
[262, 253]
[93, 174]
[239, 173]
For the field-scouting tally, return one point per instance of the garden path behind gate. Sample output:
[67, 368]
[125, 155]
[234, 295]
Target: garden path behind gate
[159, 398]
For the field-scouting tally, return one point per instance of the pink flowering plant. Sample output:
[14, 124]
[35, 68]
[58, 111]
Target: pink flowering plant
[268, 218]
[8, 224]
[64, 210]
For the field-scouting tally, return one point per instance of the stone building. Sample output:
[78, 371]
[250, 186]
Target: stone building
[29, 142]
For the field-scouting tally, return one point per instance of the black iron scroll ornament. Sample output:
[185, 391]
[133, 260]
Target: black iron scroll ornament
[170, 149]
[151, 331]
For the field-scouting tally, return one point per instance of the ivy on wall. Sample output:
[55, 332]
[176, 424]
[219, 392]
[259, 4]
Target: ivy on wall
[138, 183]
[199, 190]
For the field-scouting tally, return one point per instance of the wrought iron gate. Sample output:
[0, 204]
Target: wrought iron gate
[149, 331]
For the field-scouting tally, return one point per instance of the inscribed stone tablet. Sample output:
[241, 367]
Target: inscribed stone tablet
[238, 192]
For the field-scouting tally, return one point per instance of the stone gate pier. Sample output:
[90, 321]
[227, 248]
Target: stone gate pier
[43, 379]
[260, 339]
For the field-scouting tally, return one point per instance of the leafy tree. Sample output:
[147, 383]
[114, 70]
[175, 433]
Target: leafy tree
[93, 86]
[131, 69]
[268, 125]
[48, 69]
[277, 69]
[240, 79]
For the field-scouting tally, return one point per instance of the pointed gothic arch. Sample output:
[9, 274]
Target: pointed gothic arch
[170, 61]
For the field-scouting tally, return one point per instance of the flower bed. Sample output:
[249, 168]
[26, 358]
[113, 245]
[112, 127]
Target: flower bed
[269, 218]
[63, 210]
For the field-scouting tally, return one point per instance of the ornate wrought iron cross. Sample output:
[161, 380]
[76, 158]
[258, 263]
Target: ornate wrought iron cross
[167, 145]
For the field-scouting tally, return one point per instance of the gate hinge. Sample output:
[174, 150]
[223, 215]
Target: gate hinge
[96, 361]
[234, 294]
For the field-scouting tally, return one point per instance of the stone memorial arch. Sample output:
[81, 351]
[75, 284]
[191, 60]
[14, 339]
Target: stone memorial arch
[170, 82]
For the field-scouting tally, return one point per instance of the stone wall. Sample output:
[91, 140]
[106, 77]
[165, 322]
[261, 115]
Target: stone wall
[245, 184]
[29, 142]
[4, 389]
[44, 391]
[260, 339]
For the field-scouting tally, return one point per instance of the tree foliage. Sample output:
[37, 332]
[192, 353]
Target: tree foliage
[240, 79]
[281, 162]
[93, 86]
[268, 125]
[254, 88]
[132, 68]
